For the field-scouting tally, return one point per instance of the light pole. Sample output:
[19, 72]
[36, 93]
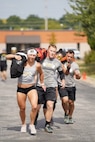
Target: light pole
[46, 18]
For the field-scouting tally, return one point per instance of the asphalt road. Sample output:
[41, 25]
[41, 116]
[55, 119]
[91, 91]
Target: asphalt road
[83, 129]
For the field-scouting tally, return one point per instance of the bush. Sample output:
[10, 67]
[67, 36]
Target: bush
[89, 57]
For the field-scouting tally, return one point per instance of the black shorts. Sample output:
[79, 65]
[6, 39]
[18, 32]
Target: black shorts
[25, 90]
[3, 66]
[50, 94]
[41, 95]
[67, 91]
[45, 106]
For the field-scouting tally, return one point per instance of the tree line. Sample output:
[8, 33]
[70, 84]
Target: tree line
[81, 19]
[33, 22]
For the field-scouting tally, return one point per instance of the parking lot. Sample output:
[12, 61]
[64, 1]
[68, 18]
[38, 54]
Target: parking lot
[83, 129]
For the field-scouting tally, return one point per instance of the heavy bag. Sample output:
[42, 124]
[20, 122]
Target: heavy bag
[17, 66]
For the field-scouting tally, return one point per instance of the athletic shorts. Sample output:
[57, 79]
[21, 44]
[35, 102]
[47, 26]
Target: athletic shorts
[50, 94]
[41, 95]
[25, 90]
[45, 106]
[67, 91]
[3, 66]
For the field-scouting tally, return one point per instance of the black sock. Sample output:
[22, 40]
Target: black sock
[47, 123]
[66, 114]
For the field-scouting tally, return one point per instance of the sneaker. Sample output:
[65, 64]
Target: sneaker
[48, 129]
[66, 119]
[71, 121]
[32, 129]
[23, 128]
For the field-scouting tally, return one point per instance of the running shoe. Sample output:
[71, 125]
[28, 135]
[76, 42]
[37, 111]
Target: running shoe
[23, 128]
[32, 129]
[48, 128]
[66, 119]
[71, 121]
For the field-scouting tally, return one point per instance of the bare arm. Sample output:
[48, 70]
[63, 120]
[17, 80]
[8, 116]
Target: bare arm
[76, 72]
[11, 56]
[40, 71]
[66, 70]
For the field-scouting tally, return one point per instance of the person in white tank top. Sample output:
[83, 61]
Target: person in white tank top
[26, 88]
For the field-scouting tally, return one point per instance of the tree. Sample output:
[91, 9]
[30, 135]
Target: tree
[34, 22]
[1, 24]
[68, 21]
[14, 22]
[84, 11]
[52, 24]
[52, 39]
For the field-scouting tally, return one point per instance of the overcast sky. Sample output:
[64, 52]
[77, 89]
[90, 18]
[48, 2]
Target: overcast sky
[42, 8]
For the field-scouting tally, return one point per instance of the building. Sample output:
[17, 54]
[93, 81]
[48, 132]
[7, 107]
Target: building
[26, 39]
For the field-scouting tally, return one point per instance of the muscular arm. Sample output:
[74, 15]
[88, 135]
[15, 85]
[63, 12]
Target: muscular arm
[11, 56]
[41, 75]
[40, 71]
[66, 70]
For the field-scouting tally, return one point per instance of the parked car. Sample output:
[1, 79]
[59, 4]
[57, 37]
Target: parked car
[77, 53]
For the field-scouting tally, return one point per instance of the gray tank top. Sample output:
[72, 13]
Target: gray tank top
[28, 76]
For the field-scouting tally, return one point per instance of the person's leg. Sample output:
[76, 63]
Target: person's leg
[50, 97]
[65, 104]
[64, 101]
[3, 71]
[54, 105]
[33, 98]
[21, 99]
[44, 108]
[0, 73]
[71, 108]
[63, 93]
[38, 110]
[49, 110]
[41, 100]
[48, 116]
[72, 97]
[2, 78]
[4, 75]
